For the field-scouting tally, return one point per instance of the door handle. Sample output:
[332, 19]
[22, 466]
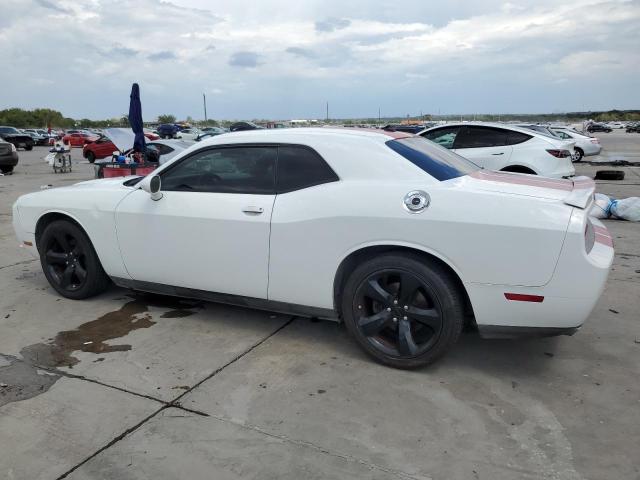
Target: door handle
[501, 153]
[253, 210]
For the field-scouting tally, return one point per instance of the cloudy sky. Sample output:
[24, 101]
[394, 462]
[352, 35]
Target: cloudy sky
[284, 59]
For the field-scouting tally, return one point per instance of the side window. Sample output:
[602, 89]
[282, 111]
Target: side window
[301, 167]
[517, 137]
[562, 134]
[481, 137]
[224, 170]
[445, 137]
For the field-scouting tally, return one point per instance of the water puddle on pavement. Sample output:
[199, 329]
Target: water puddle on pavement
[92, 336]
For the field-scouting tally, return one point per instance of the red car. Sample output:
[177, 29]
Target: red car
[78, 139]
[103, 148]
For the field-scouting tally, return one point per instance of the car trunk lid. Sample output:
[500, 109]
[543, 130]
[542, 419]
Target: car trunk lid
[577, 192]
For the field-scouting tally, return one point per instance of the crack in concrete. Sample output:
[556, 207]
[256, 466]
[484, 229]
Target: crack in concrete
[18, 263]
[175, 402]
[324, 450]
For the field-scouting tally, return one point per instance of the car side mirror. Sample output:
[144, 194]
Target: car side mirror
[152, 186]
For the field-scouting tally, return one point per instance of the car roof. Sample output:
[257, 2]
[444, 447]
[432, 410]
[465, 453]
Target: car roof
[505, 126]
[288, 135]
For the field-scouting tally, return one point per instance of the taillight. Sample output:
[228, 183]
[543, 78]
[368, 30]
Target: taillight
[560, 153]
[595, 140]
[589, 236]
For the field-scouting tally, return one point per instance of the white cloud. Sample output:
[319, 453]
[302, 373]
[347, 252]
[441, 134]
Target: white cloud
[457, 57]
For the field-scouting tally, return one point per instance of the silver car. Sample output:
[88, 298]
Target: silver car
[585, 145]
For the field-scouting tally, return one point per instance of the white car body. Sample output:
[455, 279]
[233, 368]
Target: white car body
[587, 144]
[530, 156]
[188, 134]
[505, 236]
[168, 149]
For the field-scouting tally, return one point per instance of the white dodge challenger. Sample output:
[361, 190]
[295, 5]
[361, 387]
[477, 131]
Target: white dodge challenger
[399, 238]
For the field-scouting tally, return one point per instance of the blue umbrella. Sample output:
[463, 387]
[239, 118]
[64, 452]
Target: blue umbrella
[135, 119]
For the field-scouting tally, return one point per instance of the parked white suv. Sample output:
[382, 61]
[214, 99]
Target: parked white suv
[585, 144]
[497, 146]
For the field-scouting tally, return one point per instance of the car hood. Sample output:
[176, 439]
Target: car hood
[577, 192]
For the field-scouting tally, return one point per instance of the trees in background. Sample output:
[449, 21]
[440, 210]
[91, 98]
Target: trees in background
[166, 118]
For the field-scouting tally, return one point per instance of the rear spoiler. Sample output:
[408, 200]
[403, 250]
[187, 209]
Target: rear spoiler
[582, 194]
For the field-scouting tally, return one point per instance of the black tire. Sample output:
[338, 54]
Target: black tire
[6, 169]
[91, 157]
[609, 175]
[70, 262]
[579, 155]
[28, 147]
[377, 318]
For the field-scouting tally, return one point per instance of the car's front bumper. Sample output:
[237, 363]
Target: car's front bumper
[25, 239]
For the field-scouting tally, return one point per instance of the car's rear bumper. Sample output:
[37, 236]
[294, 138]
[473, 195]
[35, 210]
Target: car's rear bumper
[563, 304]
[593, 150]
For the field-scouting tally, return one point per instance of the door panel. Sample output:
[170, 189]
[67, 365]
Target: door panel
[200, 240]
[491, 158]
[485, 146]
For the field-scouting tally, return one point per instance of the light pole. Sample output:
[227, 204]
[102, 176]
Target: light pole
[204, 101]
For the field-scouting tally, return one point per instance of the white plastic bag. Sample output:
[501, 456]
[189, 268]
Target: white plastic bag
[601, 206]
[626, 209]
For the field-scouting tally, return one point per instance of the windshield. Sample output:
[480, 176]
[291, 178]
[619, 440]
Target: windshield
[437, 161]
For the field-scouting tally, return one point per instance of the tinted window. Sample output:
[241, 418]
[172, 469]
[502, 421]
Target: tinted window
[479, 137]
[517, 137]
[301, 167]
[433, 159]
[162, 149]
[226, 170]
[443, 136]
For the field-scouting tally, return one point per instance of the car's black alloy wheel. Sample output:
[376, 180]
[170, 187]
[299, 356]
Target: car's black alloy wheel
[69, 261]
[402, 310]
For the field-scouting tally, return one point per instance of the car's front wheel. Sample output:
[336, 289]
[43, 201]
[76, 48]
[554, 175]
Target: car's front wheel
[28, 147]
[6, 169]
[69, 261]
[403, 310]
[91, 157]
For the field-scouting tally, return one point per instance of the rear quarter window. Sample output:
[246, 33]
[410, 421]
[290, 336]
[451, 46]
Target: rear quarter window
[515, 138]
[437, 161]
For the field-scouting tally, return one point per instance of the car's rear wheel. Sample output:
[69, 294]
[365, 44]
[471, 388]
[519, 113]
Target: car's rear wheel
[402, 310]
[28, 147]
[579, 155]
[91, 157]
[70, 262]
[6, 169]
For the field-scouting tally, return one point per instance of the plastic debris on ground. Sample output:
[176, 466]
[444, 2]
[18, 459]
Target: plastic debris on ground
[623, 209]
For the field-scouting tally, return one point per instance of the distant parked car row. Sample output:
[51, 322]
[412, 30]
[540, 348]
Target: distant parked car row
[17, 138]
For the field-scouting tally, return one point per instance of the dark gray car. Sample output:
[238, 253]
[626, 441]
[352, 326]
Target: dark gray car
[8, 157]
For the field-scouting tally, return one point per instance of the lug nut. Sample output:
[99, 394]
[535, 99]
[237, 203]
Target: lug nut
[406, 307]
[389, 309]
[395, 302]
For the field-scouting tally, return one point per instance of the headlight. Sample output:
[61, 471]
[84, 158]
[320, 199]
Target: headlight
[13, 148]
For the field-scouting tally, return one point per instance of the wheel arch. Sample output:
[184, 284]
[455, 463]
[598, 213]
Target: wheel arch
[50, 217]
[519, 169]
[362, 253]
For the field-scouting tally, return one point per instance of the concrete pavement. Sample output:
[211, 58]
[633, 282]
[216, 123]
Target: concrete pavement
[137, 387]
